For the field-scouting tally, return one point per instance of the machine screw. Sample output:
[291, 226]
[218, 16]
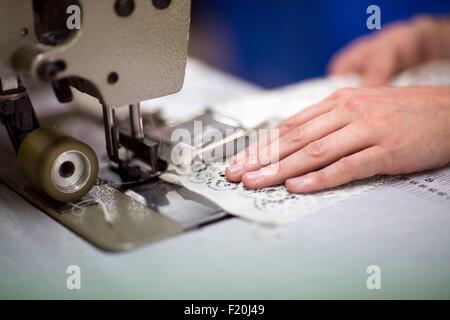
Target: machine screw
[113, 77]
[124, 7]
[161, 4]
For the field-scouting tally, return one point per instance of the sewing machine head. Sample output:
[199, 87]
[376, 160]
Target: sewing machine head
[119, 51]
[124, 52]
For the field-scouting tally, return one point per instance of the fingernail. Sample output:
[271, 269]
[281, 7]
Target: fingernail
[236, 169]
[253, 176]
[296, 182]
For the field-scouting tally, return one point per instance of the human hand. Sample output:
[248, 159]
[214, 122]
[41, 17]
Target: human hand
[351, 135]
[376, 58]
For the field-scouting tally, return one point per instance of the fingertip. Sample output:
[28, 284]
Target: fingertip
[234, 172]
[341, 65]
[335, 68]
[345, 70]
[252, 179]
[232, 177]
[331, 68]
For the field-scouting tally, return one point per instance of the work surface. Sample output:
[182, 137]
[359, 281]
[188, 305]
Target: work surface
[323, 255]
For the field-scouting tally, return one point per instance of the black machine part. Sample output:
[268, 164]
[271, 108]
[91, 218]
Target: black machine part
[17, 114]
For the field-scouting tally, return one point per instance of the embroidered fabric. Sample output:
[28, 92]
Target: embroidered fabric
[274, 205]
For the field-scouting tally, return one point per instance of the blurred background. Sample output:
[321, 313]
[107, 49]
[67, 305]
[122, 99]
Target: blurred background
[276, 42]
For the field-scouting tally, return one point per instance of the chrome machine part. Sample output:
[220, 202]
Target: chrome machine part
[137, 130]
[9, 83]
[124, 52]
[71, 171]
[111, 133]
[59, 165]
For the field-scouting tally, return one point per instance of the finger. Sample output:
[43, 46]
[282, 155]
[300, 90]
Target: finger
[373, 77]
[350, 60]
[234, 172]
[304, 134]
[318, 109]
[292, 141]
[315, 155]
[379, 70]
[345, 64]
[360, 165]
[284, 127]
[262, 137]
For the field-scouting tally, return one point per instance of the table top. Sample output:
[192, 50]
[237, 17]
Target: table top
[324, 255]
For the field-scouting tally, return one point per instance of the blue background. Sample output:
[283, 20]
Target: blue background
[281, 41]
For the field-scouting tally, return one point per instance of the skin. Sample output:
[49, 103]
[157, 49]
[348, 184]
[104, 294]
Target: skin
[360, 132]
[376, 58]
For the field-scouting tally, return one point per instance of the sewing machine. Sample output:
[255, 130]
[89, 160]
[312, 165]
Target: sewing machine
[125, 52]
[325, 255]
